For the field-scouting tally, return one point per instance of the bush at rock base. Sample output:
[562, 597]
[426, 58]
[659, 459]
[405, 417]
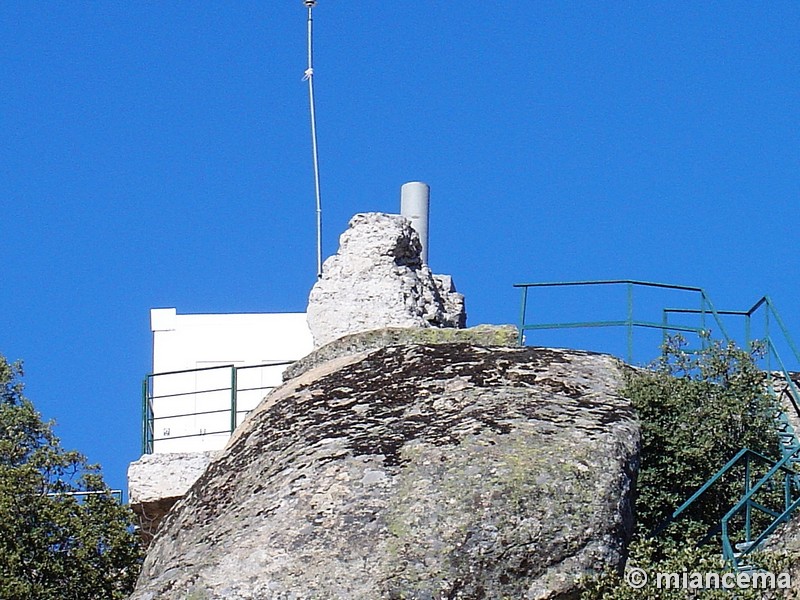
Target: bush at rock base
[698, 409]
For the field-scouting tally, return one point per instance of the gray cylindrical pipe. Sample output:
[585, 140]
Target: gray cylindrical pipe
[415, 199]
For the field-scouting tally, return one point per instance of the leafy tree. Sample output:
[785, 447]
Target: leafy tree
[56, 542]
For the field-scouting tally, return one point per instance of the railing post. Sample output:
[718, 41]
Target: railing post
[522, 315]
[233, 398]
[727, 549]
[630, 323]
[747, 329]
[145, 417]
[703, 319]
[748, 507]
[768, 339]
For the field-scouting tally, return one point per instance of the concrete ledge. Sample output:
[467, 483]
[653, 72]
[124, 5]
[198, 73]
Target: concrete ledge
[157, 481]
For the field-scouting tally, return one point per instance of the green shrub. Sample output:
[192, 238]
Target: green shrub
[697, 410]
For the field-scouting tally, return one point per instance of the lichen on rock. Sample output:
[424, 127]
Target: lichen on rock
[413, 471]
[354, 343]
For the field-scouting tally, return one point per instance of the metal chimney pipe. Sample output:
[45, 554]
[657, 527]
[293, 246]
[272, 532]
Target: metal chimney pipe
[415, 198]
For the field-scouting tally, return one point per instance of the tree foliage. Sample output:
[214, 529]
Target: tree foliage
[55, 541]
[697, 410]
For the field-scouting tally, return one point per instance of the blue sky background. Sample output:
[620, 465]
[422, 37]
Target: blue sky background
[157, 154]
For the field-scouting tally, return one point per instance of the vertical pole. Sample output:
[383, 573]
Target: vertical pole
[748, 507]
[309, 76]
[233, 398]
[747, 329]
[145, 418]
[415, 199]
[767, 340]
[522, 315]
[702, 318]
[630, 324]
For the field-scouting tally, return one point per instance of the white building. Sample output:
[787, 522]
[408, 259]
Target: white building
[209, 370]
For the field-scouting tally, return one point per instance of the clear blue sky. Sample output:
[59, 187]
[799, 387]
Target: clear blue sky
[157, 154]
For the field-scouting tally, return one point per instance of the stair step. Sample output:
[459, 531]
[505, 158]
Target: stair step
[747, 569]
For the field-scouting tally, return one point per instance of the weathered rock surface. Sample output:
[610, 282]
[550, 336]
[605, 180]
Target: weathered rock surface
[786, 542]
[157, 481]
[377, 279]
[781, 388]
[481, 335]
[419, 472]
[786, 539]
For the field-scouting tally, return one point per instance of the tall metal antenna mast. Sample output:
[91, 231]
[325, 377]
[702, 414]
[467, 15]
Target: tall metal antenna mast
[309, 76]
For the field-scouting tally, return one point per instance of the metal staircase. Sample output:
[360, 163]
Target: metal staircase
[770, 492]
[739, 522]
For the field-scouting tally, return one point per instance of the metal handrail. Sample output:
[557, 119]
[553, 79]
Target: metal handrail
[162, 396]
[771, 309]
[706, 307]
[745, 502]
[733, 462]
[116, 494]
[149, 418]
[671, 286]
[772, 351]
[790, 450]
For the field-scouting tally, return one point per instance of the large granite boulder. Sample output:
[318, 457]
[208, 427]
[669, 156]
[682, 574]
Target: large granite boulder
[412, 471]
[377, 279]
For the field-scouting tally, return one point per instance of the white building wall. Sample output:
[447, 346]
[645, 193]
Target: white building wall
[192, 410]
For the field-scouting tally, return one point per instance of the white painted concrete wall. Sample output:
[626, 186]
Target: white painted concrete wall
[196, 341]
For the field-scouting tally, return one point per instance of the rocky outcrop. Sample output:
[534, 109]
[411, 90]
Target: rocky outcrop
[377, 279]
[446, 471]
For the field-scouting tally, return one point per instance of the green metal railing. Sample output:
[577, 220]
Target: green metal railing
[780, 475]
[772, 362]
[770, 315]
[739, 520]
[83, 495]
[227, 404]
[706, 310]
